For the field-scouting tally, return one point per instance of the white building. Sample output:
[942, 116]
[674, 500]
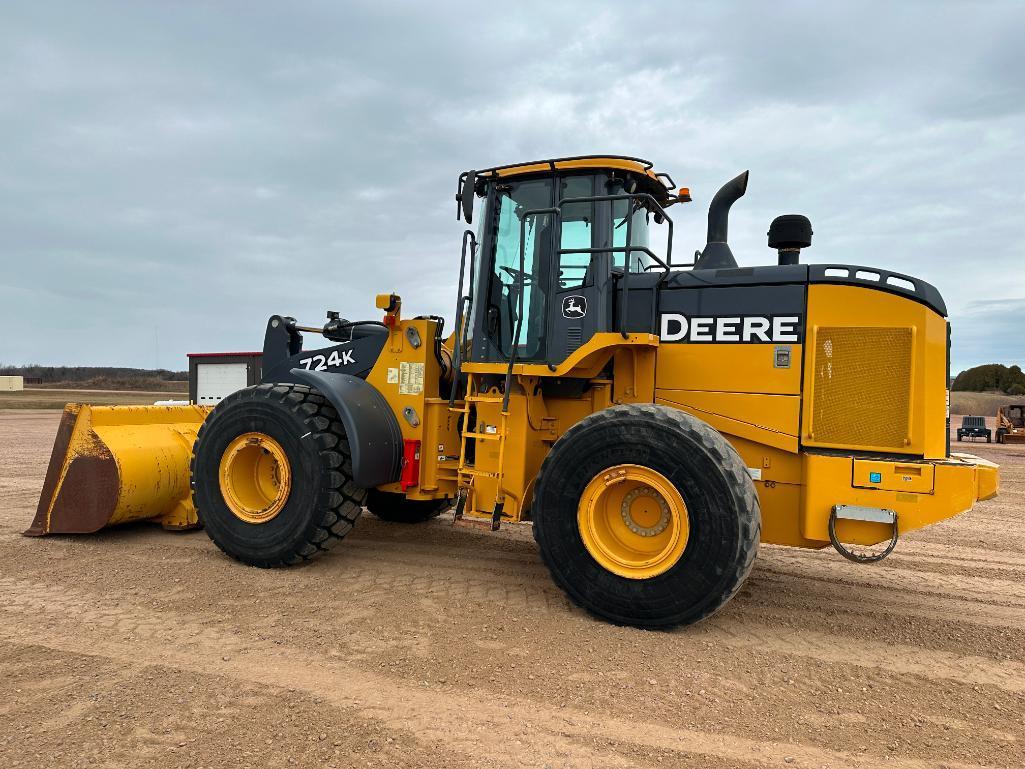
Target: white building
[12, 383]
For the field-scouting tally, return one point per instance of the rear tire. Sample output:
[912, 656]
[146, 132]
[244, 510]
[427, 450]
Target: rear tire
[721, 511]
[398, 509]
[322, 502]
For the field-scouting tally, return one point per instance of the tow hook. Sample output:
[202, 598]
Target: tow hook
[859, 513]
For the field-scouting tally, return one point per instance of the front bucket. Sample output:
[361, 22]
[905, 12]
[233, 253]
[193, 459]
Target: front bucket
[115, 464]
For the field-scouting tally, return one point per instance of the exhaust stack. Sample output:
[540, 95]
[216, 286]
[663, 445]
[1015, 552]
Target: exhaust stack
[717, 253]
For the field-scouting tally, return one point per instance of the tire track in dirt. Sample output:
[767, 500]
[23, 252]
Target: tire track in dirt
[999, 592]
[935, 665]
[912, 561]
[465, 568]
[970, 555]
[736, 631]
[381, 567]
[81, 624]
[458, 580]
[868, 601]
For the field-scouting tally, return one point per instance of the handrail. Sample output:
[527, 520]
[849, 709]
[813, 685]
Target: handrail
[628, 249]
[668, 263]
[461, 316]
[614, 250]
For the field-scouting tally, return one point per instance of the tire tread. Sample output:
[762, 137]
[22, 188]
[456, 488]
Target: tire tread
[339, 501]
[710, 441]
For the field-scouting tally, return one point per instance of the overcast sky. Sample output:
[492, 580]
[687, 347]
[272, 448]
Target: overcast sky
[173, 173]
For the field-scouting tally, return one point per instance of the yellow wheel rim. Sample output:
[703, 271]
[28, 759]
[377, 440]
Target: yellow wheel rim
[255, 477]
[633, 521]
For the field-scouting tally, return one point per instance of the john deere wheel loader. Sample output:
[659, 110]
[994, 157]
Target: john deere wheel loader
[654, 420]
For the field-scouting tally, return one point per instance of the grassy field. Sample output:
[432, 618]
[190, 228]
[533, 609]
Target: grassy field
[55, 399]
[138, 384]
[981, 404]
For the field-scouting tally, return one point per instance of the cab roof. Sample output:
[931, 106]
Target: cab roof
[661, 184]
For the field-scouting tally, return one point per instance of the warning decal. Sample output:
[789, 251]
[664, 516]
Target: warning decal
[411, 378]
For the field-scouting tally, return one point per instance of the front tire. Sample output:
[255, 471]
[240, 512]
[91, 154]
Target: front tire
[272, 475]
[646, 516]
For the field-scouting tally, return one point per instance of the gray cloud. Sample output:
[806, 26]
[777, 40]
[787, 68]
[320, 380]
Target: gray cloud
[172, 174]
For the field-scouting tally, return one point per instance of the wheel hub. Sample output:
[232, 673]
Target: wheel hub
[255, 477]
[633, 521]
[636, 516]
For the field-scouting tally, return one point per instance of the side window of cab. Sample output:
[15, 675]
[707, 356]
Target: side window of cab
[577, 232]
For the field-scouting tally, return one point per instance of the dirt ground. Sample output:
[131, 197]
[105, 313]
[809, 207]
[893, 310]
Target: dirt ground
[437, 646]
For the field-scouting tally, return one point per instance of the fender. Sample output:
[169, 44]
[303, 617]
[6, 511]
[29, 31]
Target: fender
[375, 438]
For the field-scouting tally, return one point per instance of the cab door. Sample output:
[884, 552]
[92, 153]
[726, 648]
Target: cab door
[580, 306]
[596, 214]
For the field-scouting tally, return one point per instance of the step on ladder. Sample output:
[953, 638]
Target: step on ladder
[468, 474]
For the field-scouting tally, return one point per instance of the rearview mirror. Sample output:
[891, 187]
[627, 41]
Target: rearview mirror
[466, 195]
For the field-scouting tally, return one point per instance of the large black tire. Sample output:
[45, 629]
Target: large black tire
[398, 509]
[722, 507]
[323, 503]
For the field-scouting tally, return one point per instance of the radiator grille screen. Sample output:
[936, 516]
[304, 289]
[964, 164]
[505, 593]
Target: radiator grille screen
[862, 386]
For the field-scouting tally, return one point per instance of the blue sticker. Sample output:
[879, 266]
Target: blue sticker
[875, 477]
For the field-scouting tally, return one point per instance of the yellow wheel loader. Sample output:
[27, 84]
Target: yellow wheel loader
[654, 420]
[1011, 423]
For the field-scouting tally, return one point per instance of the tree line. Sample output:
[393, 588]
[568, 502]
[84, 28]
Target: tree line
[99, 377]
[83, 373]
[991, 377]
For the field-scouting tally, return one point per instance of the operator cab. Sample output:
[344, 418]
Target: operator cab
[1016, 416]
[558, 242]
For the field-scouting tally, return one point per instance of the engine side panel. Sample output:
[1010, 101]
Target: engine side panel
[875, 374]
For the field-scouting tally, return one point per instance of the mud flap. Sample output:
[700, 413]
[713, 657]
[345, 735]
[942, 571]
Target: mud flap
[115, 464]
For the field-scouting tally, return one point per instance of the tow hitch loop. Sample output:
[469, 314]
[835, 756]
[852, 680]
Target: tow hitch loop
[858, 513]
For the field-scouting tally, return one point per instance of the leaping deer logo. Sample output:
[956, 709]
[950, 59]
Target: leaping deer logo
[574, 307]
